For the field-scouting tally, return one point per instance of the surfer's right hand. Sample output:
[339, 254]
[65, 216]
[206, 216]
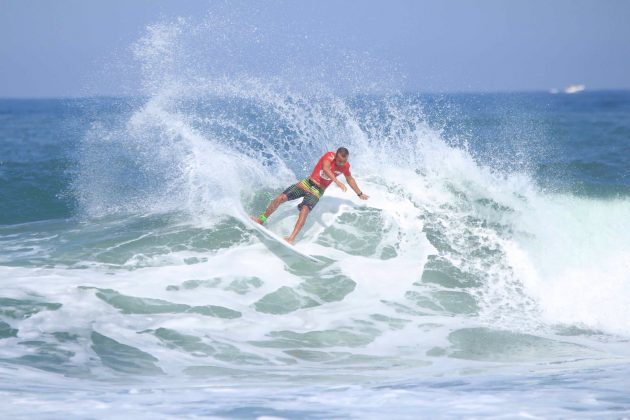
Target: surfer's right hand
[341, 185]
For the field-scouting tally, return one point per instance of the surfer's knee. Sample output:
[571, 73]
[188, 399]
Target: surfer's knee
[282, 198]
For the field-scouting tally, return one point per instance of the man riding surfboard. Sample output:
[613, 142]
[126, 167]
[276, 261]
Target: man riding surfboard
[312, 188]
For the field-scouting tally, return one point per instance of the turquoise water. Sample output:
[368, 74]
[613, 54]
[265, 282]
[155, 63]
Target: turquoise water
[487, 275]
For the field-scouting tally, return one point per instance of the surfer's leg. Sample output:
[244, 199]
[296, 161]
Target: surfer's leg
[294, 192]
[298, 225]
[305, 207]
[273, 206]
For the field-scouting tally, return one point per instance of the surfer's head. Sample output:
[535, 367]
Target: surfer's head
[341, 157]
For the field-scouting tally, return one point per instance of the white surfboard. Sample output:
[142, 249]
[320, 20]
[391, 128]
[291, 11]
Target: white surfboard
[280, 241]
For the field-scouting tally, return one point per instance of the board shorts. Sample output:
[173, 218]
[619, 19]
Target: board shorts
[307, 189]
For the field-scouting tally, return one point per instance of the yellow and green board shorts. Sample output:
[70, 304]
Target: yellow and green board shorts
[307, 189]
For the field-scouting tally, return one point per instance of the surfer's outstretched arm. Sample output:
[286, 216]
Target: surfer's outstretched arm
[328, 170]
[355, 187]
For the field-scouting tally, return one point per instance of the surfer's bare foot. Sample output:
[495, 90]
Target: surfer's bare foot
[256, 219]
[289, 240]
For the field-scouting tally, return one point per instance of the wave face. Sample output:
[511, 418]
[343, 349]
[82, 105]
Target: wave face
[480, 252]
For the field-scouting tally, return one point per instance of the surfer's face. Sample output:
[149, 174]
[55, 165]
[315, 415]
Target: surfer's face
[340, 160]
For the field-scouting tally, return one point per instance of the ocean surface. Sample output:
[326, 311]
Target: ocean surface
[486, 276]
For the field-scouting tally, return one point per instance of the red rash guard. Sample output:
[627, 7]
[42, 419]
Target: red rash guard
[319, 176]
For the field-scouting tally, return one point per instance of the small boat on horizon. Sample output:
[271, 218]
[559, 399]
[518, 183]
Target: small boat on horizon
[574, 88]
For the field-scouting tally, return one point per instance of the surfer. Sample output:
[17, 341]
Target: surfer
[329, 166]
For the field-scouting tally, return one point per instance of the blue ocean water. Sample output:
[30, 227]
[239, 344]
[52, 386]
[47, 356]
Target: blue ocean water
[576, 144]
[487, 275]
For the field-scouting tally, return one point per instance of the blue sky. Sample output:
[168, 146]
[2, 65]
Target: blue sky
[76, 47]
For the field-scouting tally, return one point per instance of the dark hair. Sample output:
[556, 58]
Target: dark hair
[343, 152]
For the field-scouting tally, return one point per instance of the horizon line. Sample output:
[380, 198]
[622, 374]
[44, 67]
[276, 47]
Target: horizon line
[424, 92]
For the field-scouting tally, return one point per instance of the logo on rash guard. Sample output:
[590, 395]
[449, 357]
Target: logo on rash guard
[325, 176]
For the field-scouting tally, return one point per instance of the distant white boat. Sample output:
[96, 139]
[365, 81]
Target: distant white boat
[574, 88]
